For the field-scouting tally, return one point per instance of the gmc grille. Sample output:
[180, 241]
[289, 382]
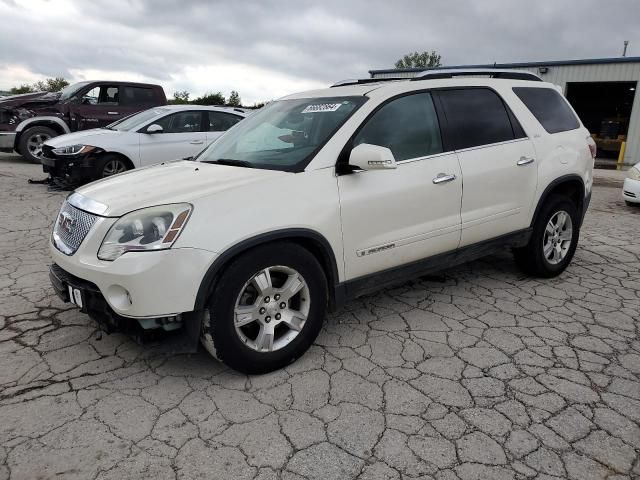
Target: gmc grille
[71, 227]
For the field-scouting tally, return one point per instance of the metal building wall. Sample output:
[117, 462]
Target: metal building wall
[563, 74]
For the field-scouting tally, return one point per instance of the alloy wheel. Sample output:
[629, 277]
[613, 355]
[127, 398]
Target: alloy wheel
[34, 143]
[113, 167]
[272, 308]
[557, 237]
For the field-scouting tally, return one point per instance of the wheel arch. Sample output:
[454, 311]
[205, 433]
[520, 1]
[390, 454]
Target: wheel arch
[570, 185]
[311, 240]
[54, 123]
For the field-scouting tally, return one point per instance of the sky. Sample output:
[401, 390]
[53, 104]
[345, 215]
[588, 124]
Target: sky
[267, 49]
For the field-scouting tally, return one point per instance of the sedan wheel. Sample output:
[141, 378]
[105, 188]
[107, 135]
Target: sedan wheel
[113, 167]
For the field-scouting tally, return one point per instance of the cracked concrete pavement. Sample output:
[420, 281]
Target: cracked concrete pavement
[474, 373]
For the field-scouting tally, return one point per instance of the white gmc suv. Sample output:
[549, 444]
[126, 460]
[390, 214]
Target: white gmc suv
[322, 196]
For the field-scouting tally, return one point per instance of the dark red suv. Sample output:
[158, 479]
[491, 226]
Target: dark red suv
[26, 121]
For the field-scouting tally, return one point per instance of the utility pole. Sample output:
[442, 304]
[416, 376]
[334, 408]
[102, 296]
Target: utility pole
[624, 51]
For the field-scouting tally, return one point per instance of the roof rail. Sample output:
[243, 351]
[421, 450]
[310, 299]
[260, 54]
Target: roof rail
[492, 72]
[362, 81]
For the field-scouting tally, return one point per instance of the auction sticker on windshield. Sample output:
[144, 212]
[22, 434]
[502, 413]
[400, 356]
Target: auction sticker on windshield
[324, 107]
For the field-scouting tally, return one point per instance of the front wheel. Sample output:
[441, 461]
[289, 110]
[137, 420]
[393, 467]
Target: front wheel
[110, 165]
[267, 308]
[31, 141]
[553, 241]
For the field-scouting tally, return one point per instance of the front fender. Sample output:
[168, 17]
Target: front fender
[48, 120]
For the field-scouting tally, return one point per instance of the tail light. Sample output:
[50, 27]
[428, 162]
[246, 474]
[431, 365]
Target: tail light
[592, 147]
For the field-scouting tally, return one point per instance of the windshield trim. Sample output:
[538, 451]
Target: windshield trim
[301, 165]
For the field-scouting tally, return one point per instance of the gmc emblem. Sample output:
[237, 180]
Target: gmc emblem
[66, 221]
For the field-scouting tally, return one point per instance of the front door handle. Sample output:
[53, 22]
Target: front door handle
[525, 161]
[113, 113]
[196, 142]
[444, 178]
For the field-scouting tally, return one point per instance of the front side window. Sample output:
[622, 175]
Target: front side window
[408, 126]
[477, 117]
[181, 122]
[103, 95]
[549, 108]
[284, 135]
[221, 121]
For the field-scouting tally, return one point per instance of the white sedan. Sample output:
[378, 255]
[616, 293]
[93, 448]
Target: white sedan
[153, 136]
[631, 187]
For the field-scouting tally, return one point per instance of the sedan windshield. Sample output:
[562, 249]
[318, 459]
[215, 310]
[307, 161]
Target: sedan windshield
[136, 120]
[284, 135]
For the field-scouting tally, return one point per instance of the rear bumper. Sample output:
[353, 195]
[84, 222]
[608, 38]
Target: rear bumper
[631, 190]
[7, 141]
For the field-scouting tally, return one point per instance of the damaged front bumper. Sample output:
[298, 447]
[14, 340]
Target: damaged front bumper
[173, 334]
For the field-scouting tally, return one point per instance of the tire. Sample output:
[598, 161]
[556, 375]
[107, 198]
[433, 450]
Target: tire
[532, 258]
[632, 204]
[110, 164]
[31, 140]
[242, 347]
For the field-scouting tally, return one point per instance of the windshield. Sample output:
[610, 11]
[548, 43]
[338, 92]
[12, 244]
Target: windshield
[284, 135]
[67, 92]
[133, 121]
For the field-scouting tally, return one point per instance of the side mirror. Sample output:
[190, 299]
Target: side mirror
[372, 157]
[154, 128]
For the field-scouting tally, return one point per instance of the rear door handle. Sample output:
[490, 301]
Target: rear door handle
[196, 142]
[444, 178]
[113, 113]
[525, 161]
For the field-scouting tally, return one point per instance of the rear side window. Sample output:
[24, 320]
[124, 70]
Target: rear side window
[137, 96]
[408, 126]
[477, 117]
[549, 108]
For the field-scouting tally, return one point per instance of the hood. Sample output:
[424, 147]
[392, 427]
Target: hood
[26, 99]
[171, 182]
[86, 137]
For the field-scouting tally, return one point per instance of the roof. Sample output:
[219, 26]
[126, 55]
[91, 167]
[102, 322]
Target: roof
[189, 106]
[550, 63]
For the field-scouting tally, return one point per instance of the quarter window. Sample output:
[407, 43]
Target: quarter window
[477, 117]
[408, 126]
[549, 108]
[181, 122]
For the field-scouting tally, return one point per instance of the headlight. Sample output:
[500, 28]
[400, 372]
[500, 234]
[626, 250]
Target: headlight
[154, 228]
[633, 173]
[73, 149]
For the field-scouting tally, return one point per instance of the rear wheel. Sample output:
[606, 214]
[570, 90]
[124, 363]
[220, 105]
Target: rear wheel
[631, 204]
[267, 308]
[31, 141]
[553, 241]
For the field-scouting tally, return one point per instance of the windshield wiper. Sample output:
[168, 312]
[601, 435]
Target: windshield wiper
[231, 162]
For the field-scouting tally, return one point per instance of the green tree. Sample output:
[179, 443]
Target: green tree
[418, 60]
[50, 85]
[179, 98]
[24, 88]
[210, 98]
[234, 99]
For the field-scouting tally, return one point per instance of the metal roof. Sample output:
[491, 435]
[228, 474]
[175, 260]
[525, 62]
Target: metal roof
[550, 63]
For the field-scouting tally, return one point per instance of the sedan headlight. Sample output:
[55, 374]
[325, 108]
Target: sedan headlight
[148, 229]
[633, 173]
[73, 149]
